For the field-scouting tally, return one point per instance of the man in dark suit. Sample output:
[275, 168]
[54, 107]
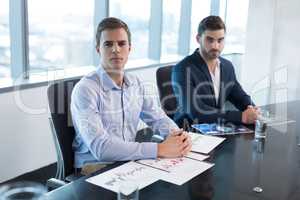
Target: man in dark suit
[204, 81]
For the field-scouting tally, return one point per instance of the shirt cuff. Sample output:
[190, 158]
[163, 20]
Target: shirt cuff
[149, 150]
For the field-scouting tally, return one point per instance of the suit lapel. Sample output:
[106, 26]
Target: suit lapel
[221, 95]
[200, 63]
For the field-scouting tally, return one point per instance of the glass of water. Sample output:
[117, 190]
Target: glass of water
[22, 190]
[260, 128]
[128, 190]
[264, 114]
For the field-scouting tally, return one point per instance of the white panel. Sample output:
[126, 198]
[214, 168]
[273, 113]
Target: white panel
[26, 140]
[272, 48]
[258, 43]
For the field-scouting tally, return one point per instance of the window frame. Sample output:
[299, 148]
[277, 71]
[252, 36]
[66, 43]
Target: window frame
[18, 24]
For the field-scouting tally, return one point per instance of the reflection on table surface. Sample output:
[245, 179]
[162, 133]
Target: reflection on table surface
[241, 163]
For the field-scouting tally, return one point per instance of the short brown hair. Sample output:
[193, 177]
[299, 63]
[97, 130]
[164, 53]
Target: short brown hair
[211, 23]
[111, 23]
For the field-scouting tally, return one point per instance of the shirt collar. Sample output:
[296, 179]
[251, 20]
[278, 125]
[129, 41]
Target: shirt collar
[218, 64]
[107, 83]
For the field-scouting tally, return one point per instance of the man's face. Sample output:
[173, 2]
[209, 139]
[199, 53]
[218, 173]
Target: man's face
[114, 49]
[211, 43]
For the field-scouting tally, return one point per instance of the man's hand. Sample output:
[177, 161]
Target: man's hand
[177, 144]
[250, 115]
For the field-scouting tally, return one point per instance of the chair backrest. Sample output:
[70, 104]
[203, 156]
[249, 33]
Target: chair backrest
[166, 95]
[59, 97]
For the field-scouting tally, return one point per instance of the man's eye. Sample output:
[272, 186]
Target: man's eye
[108, 44]
[122, 43]
[211, 40]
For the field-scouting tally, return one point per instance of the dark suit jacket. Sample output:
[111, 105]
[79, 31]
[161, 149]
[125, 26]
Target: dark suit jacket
[193, 88]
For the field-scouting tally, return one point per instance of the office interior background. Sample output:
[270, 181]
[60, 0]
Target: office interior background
[46, 40]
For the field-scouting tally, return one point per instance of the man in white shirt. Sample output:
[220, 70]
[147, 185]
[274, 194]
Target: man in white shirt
[107, 105]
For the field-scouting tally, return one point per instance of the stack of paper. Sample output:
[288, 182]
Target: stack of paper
[203, 143]
[173, 170]
[196, 156]
[140, 174]
[177, 170]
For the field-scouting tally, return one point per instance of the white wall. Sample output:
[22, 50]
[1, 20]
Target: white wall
[272, 62]
[26, 142]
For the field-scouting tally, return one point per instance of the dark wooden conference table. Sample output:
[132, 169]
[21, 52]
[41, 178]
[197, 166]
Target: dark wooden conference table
[241, 163]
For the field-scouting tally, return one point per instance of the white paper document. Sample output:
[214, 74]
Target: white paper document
[140, 174]
[177, 170]
[164, 164]
[196, 156]
[184, 173]
[203, 143]
[173, 170]
[170, 164]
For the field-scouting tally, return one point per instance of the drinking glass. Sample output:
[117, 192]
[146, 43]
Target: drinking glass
[22, 190]
[128, 190]
[261, 124]
[260, 129]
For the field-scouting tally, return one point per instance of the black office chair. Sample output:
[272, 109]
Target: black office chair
[166, 95]
[59, 97]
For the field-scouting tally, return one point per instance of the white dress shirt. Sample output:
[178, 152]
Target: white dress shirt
[216, 78]
[106, 118]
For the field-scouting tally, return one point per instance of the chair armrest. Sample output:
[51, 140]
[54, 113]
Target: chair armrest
[147, 135]
[157, 138]
[73, 177]
[144, 135]
[54, 183]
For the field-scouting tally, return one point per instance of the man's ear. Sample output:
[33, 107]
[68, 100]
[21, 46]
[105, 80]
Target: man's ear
[198, 38]
[129, 48]
[98, 49]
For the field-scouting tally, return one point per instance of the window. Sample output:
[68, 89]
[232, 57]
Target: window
[170, 28]
[4, 39]
[200, 10]
[136, 15]
[223, 9]
[236, 24]
[61, 34]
